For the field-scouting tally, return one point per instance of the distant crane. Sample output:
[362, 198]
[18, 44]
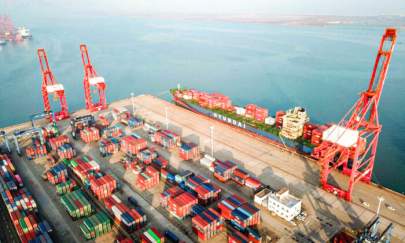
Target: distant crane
[50, 86]
[352, 144]
[91, 79]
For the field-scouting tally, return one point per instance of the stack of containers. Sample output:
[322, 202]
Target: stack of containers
[239, 176]
[147, 179]
[250, 111]
[76, 204]
[166, 138]
[147, 155]
[205, 190]
[261, 114]
[316, 138]
[50, 131]
[166, 175]
[66, 151]
[129, 162]
[152, 235]
[36, 150]
[58, 141]
[22, 208]
[103, 121]
[7, 173]
[134, 122]
[160, 163]
[65, 187]
[207, 223]
[279, 119]
[95, 226]
[223, 170]
[129, 218]
[83, 167]
[250, 236]
[189, 151]
[112, 132]
[240, 212]
[109, 146]
[57, 174]
[89, 134]
[169, 193]
[253, 183]
[102, 186]
[132, 145]
[307, 130]
[180, 205]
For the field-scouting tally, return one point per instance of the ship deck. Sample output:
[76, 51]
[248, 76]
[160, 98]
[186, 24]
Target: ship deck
[327, 214]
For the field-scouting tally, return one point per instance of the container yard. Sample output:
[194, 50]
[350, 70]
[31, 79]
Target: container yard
[136, 177]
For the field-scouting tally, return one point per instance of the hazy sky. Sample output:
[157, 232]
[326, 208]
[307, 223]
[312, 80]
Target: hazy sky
[268, 7]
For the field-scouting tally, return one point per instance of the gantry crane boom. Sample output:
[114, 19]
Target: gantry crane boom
[351, 145]
[91, 79]
[50, 86]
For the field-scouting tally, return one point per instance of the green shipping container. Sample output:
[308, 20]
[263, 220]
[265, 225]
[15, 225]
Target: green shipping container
[96, 225]
[76, 204]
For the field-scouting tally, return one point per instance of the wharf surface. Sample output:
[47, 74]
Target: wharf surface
[327, 214]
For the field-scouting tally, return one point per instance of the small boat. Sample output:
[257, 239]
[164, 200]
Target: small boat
[24, 32]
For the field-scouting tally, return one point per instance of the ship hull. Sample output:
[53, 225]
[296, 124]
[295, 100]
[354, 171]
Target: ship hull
[283, 143]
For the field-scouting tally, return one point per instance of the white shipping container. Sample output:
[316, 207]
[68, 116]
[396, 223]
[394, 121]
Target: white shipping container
[240, 110]
[270, 121]
[116, 199]
[116, 212]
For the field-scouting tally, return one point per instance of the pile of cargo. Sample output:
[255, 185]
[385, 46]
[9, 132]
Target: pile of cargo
[66, 151]
[208, 161]
[147, 179]
[316, 138]
[189, 151]
[152, 235]
[65, 187]
[239, 176]
[132, 144]
[129, 218]
[293, 123]
[121, 114]
[169, 193]
[253, 183]
[160, 163]
[279, 119]
[95, 226]
[134, 122]
[7, 172]
[180, 205]
[307, 130]
[211, 101]
[109, 146]
[248, 236]
[89, 134]
[223, 170]
[147, 155]
[112, 132]
[83, 167]
[57, 174]
[168, 176]
[36, 150]
[239, 212]
[205, 190]
[255, 112]
[76, 204]
[21, 206]
[58, 141]
[102, 185]
[103, 121]
[166, 139]
[129, 162]
[207, 223]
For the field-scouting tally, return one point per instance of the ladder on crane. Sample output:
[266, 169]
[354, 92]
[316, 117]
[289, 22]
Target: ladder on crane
[351, 145]
[91, 79]
[50, 86]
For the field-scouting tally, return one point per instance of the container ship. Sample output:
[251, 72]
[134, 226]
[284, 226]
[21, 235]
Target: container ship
[290, 129]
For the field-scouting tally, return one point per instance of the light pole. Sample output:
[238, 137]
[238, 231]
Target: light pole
[167, 119]
[212, 140]
[380, 200]
[133, 104]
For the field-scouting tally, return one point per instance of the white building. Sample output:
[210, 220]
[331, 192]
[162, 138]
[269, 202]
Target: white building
[281, 203]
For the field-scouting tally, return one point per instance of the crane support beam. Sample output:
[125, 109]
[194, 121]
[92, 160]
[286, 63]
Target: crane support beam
[92, 80]
[50, 86]
[351, 145]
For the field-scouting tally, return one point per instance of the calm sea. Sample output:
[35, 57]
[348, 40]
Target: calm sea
[320, 68]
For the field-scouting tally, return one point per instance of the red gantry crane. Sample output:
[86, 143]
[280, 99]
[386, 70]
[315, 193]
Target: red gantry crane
[91, 79]
[352, 144]
[50, 86]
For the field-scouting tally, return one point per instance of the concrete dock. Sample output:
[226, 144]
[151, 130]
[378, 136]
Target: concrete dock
[327, 214]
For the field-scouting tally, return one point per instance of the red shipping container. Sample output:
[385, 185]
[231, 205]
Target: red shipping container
[132, 145]
[180, 206]
[89, 134]
[58, 141]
